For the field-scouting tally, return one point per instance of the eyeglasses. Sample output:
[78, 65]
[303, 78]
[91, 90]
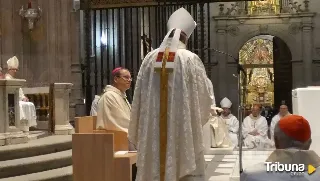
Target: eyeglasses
[126, 78]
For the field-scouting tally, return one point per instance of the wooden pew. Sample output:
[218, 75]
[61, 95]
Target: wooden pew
[120, 163]
[87, 125]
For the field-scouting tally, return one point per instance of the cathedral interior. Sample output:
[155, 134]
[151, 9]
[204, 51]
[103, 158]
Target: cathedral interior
[79, 42]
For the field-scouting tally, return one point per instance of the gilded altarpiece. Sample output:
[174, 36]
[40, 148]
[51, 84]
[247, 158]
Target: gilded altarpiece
[256, 56]
[264, 7]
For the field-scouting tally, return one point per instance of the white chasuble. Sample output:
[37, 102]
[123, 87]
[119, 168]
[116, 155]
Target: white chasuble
[233, 127]
[189, 101]
[219, 133]
[113, 110]
[27, 109]
[259, 124]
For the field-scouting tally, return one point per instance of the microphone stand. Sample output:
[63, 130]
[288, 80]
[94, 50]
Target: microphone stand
[241, 107]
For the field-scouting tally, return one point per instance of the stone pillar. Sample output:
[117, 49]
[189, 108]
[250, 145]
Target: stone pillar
[61, 93]
[10, 113]
[222, 58]
[307, 47]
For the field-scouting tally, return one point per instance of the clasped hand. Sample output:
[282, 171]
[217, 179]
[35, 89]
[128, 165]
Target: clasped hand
[254, 132]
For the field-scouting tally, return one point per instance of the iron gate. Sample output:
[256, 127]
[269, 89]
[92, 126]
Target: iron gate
[122, 37]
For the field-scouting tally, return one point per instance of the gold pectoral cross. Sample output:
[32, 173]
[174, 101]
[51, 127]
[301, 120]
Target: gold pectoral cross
[163, 114]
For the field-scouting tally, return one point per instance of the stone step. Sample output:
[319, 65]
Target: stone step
[60, 174]
[22, 166]
[47, 145]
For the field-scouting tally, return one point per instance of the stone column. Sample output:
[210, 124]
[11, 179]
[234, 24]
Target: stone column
[222, 58]
[10, 112]
[307, 47]
[61, 93]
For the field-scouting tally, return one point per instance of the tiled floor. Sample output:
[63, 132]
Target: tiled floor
[226, 167]
[220, 167]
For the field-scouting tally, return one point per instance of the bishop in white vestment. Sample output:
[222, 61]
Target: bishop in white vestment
[255, 129]
[230, 120]
[292, 140]
[113, 106]
[188, 108]
[282, 113]
[27, 109]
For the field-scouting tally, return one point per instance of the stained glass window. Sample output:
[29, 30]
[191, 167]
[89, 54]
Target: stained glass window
[256, 56]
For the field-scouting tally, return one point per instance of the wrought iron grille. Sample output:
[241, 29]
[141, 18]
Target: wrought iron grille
[122, 37]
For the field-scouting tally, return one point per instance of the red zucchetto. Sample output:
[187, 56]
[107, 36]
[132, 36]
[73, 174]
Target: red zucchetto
[296, 127]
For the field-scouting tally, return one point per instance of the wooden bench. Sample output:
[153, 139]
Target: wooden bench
[95, 151]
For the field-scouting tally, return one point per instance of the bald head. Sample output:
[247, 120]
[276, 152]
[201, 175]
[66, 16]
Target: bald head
[256, 110]
[283, 110]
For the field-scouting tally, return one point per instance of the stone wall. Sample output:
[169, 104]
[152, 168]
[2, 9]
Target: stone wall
[50, 52]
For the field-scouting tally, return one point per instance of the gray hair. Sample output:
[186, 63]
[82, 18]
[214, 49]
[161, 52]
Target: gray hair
[285, 141]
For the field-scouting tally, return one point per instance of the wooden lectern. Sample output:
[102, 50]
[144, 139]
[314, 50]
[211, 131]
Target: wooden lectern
[94, 153]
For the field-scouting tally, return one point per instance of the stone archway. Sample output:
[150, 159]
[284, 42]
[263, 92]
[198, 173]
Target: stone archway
[267, 60]
[289, 41]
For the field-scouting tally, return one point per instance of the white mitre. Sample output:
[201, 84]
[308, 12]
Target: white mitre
[225, 103]
[181, 19]
[13, 63]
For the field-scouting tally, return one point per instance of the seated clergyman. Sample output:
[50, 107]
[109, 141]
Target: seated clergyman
[230, 120]
[255, 129]
[218, 130]
[27, 109]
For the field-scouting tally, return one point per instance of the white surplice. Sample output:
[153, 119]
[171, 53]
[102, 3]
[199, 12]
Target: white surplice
[259, 124]
[189, 101]
[27, 109]
[94, 106]
[258, 172]
[219, 133]
[113, 110]
[274, 121]
[233, 127]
